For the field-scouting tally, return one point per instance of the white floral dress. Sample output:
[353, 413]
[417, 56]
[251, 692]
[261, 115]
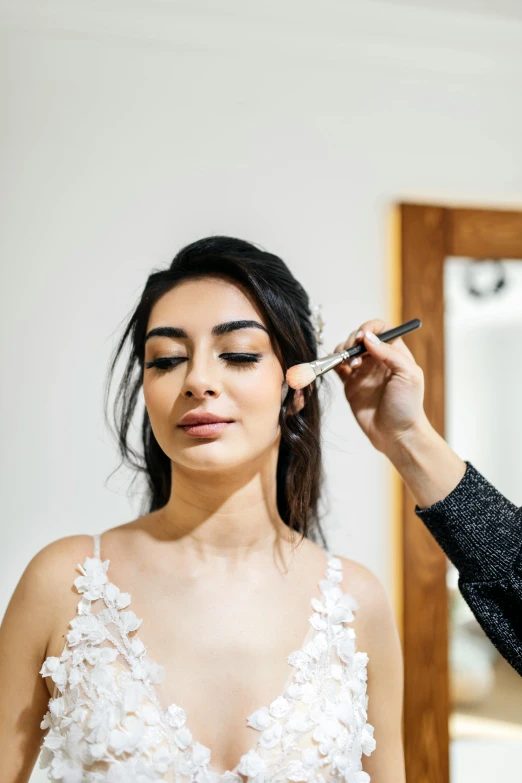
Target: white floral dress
[105, 721]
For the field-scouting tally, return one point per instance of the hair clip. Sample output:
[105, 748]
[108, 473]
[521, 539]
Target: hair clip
[317, 322]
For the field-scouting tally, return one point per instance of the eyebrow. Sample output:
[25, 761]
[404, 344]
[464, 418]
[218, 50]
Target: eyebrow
[176, 332]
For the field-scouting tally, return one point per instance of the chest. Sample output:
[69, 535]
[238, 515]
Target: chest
[207, 689]
[225, 655]
[222, 645]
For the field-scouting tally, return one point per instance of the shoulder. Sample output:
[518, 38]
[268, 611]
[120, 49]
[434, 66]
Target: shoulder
[44, 591]
[59, 559]
[50, 574]
[364, 585]
[374, 622]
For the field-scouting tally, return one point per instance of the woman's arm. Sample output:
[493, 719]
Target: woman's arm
[478, 528]
[23, 693]
[428, 466]
[30, 618]
[377, 635]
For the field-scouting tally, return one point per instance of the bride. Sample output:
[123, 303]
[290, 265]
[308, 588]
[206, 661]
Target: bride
[216, 636]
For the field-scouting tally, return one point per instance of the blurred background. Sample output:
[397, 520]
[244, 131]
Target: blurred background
[483, 377]
[132, 128]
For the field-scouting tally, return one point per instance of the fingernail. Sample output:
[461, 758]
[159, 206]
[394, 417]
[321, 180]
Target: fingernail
[372, 337]
[359, 334]
[355, 361]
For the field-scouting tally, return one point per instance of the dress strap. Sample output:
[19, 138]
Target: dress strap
[331, 555]
[96, 538]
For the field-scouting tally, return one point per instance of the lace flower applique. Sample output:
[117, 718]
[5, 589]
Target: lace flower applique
[105, 722]
[105, 719]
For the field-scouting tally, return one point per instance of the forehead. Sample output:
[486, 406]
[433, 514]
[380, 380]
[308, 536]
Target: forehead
[200, 304]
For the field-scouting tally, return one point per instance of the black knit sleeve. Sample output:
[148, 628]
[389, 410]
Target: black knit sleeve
[480, 531]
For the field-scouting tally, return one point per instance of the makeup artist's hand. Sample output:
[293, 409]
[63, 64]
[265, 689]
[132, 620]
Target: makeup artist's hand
[385, 389]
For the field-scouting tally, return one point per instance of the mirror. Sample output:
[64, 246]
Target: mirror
[483, 421]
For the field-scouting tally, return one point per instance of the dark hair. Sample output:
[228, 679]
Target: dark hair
[286, 308]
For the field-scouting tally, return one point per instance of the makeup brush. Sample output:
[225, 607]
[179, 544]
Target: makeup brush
[300, 375]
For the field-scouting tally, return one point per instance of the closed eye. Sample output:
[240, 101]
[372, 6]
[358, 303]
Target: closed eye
[165, 363]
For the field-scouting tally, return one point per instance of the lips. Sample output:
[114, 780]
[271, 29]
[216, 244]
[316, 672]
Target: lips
[208, 430]
[197, 418]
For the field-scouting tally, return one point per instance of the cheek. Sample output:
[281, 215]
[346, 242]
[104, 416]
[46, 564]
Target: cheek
[260, 387]
[259, 409]
[159, 399]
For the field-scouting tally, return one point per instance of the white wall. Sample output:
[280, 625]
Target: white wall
[131, 129]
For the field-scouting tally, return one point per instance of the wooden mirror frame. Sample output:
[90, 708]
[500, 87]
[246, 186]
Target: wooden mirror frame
[424, 236]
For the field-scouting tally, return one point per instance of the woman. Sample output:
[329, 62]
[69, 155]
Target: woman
[221, 571]
[479, 529]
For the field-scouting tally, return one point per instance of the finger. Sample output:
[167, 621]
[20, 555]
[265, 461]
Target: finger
[378, 326]
[345, 369]
[401, 346]
[346, 343]
[375, 325]
[393, 357]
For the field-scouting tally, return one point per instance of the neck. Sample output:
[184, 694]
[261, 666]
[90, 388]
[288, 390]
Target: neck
[227, 514]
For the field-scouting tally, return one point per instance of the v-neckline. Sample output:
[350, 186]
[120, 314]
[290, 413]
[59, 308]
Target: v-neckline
[310, 633]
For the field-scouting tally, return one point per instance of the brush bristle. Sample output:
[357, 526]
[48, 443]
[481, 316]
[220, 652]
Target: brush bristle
[300, 375]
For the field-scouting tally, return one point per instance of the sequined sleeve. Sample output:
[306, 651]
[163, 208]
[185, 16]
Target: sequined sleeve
[480, 531]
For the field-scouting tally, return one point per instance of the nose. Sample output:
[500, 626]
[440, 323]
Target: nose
[201, 379]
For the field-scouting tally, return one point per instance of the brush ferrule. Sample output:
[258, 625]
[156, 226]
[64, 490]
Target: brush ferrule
[320, 366]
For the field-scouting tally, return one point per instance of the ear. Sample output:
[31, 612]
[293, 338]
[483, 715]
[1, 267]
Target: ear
[298, 401]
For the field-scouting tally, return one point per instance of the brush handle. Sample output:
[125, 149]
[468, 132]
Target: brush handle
[326, 363]
[385, 337]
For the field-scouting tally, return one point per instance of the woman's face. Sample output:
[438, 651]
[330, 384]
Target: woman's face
[235, 375]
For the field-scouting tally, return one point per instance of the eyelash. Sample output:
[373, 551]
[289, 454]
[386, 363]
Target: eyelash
[164, 364]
